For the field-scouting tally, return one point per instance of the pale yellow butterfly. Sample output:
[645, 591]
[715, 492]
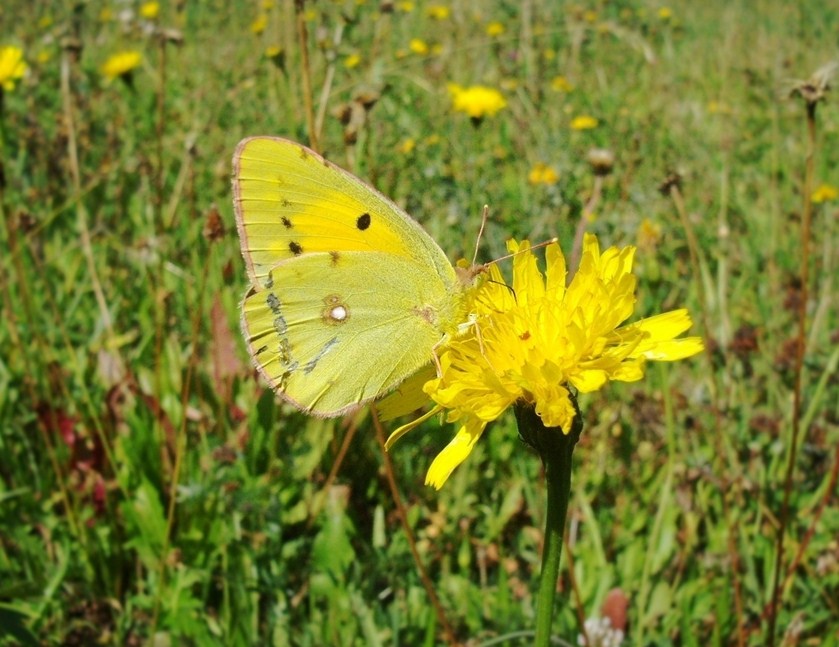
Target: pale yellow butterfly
[349, 296]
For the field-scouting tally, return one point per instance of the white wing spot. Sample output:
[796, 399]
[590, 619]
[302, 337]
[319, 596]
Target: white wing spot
[336, 311]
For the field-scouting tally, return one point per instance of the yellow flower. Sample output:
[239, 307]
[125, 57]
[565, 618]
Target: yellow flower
[12, 66]
[406, 6]
[276, 55]
[407, 146]
[533, 341]
[718, 107]
[267, 5]
[439, 11]
[583, 122]
[541, 173]
[258, 26]
[477, 101]
[561, 84]
[44, 56]
[121, 64]
[509, 84]
[352, 61]
[106, 14]
[665, 13]
[649, 235]
[590, 16]
[824, 193]
[418, 46]
[495, 29]
[150, 10]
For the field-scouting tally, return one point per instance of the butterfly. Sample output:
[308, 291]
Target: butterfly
[349, 296]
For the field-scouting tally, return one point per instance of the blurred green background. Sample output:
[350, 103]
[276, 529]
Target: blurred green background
[153, 491]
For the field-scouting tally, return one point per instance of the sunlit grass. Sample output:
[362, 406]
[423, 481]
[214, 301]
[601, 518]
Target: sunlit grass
[122, 364]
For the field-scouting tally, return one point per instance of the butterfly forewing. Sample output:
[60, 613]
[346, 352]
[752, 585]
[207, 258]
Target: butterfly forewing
[290, 201]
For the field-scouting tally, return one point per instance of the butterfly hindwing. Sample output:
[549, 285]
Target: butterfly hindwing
[331, 331]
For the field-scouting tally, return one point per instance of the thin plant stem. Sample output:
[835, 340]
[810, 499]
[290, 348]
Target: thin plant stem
[333, 472]
[159, 130]
[26, 348]
[578, 598]
[588, 209]
[727, 492]
[81, 211]
[806, 219]
[555, 448]
[180, 444]
[303, 38]
[448, 632]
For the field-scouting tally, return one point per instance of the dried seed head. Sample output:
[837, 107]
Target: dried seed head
[815, 88]
[602, 160]
[672, 181]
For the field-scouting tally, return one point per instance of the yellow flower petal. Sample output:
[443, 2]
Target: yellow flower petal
[530, 341]
[454, 453]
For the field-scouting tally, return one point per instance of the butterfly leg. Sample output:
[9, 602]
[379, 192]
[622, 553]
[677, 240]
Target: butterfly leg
[436, 357]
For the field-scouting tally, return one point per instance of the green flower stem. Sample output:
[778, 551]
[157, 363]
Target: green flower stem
[555, 448]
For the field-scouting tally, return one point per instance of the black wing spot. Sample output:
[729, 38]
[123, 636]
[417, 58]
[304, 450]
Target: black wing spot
[363, 221]
[295, 248]
[335, 256]
[286, 222]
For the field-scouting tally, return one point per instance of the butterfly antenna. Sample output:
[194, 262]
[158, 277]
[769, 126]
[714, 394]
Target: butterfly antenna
[484, 218]
[522, 251]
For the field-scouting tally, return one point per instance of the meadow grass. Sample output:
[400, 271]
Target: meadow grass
[154, 491]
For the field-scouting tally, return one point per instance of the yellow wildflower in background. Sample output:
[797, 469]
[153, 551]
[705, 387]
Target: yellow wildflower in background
[352, 61]
[583, 122]
[495, 29]
[665, 13]
[590, 16]
[407, 146]
[106, 15]
[12, 66]
[477, 101]
[718, 107]
[121, 64]
[561, 84]
[439, 11]
[649, 235]
[824, 193]
[276, 55]
[258, 26]
[150, 10]
[405, 7]
[533, 341]
[418, 46]
[541, 173]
